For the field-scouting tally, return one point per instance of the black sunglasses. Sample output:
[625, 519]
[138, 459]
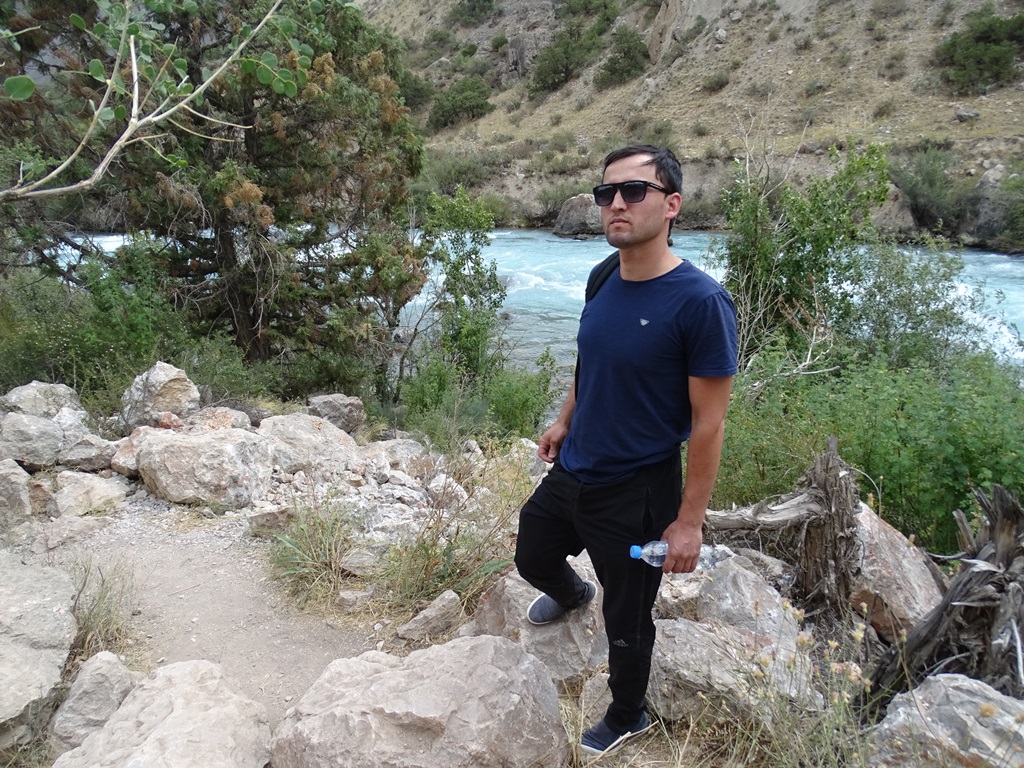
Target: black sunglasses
[631, 191]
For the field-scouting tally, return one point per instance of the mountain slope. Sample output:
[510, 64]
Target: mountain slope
[773, 74]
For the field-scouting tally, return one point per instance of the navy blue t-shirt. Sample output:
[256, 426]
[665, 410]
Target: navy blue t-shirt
[639, 341]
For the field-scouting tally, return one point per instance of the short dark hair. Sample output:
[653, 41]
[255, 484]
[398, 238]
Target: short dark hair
[666, 165]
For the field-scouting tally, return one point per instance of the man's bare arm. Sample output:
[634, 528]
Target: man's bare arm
[709, 400]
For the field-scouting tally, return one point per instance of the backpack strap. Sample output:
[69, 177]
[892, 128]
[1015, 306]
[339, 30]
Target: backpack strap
[600, 273]
[598, 276]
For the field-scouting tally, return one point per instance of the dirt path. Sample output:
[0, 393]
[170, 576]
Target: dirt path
[203, 589]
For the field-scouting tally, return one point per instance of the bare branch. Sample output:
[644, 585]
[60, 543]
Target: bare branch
[137, 123]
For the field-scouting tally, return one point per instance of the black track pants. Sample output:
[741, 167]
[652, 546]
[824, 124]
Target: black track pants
[565, 516]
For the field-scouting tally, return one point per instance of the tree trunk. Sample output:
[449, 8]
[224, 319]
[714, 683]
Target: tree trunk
[827, 558]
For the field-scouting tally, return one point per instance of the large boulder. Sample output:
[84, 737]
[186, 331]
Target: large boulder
[39, 399]
[304, 443]
[36, 631]
[100, 686]
[225, 468]
[90, 453]
[698, 668]
[737, 596]
[894, 580]
[181, 716]
[345, 412]
[162, 389]
[480, 702]
[949, 720]
[32, 441]
[579, 215]
[571, 650]
[82, 493]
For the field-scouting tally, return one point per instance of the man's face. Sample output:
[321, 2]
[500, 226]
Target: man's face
[631, 224]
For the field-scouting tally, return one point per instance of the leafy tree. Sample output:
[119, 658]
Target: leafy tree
[265, 204]
[791, 257]
[466, 99]
[557, 64]
[574, 46]
[470, 293]
[628, 59]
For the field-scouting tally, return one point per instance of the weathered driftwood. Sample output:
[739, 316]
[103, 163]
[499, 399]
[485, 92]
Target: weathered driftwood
[820, 514]
[975, 629]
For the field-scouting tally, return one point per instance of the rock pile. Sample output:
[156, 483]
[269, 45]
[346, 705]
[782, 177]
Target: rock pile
[728, 639]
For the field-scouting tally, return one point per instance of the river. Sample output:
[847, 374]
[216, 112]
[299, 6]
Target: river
[546, 276]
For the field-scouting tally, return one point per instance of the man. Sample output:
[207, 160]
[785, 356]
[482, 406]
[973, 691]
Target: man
[657, 353]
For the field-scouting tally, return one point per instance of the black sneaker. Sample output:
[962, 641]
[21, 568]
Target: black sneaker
[544, 610]
[602, 740]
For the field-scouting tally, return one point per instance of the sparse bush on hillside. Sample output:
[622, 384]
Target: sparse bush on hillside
[814, 87]
[715, 82]
[895, 65]
[945, 15]
[443, 172]
[628, 59]
[883, 109]
[466, 99]
[888, 9]
[983, 55]
[683, 43]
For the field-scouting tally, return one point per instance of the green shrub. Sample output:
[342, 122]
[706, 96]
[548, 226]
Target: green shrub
[814, 87]
[922, 439]
[519, 399]
[628, 59]
[557, 64]
[551, 198]
[416, 92]
[983, 55]
[1011, 197]
[506, 211]
[499, 42]
[439, 41]
[883, 109]
[938, 202]
[466, 99]
[469, 13]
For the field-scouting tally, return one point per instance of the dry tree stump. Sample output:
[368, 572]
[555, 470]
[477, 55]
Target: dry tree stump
[975, 628]
[814, 528]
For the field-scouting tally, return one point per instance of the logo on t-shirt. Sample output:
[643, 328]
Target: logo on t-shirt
[644, 321]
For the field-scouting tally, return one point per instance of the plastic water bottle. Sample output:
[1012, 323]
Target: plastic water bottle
[654, 553]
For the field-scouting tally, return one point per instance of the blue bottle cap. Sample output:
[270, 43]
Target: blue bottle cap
[635, 551]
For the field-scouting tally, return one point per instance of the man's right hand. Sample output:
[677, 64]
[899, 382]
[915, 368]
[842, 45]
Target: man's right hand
[551, 441]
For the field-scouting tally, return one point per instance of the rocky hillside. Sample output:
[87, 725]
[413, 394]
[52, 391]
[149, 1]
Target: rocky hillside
[723, 74]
